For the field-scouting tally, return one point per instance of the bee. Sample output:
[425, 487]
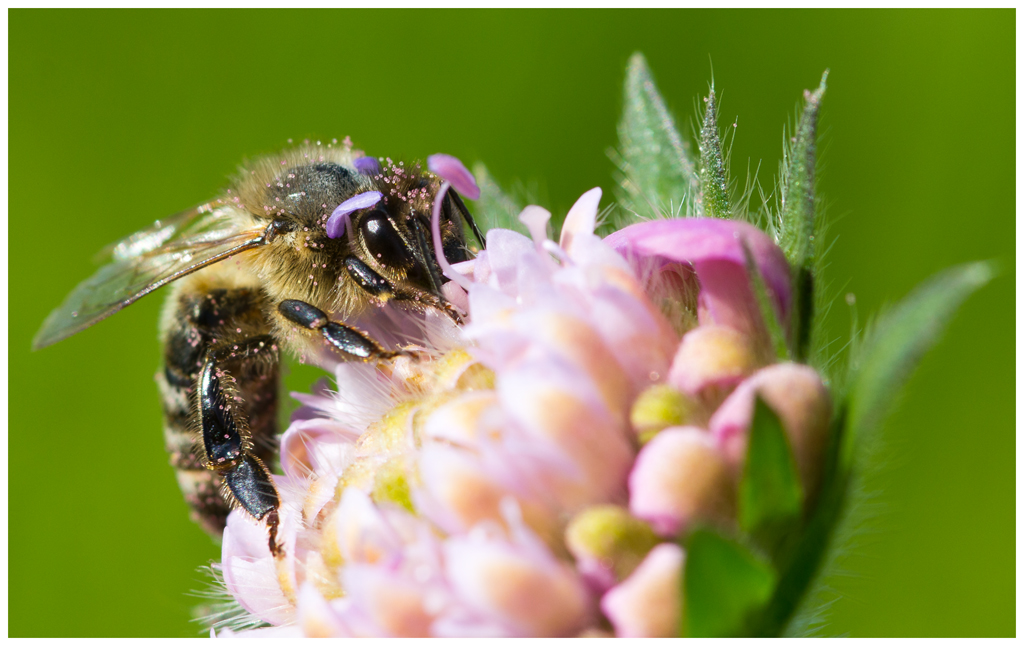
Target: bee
[299, 244]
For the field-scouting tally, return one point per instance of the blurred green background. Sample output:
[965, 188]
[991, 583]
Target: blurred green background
[117, 118]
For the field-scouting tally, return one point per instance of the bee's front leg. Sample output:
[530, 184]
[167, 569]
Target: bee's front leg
[226, 439]
[344, 338]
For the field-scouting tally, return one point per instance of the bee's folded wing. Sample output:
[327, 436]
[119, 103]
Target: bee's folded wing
[147, 261]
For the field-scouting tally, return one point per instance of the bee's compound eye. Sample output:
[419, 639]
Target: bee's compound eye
[383, 241]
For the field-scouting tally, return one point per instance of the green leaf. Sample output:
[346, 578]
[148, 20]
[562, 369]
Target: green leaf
[657, 174]
[724, 586]
[881, 366]
[895, 344]
[770, 496]
[495, 209]
[714, 181]
[797, 230]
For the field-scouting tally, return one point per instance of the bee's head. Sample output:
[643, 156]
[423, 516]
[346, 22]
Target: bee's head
[388, 227]
[331, 210]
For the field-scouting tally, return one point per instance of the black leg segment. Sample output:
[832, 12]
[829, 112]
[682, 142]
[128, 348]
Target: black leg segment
[368, 279]
[250, 483]
[226, 438]
[221, 437]
[344, 338]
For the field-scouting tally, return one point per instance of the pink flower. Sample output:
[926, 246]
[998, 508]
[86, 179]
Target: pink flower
[714, 249]
[432, 497]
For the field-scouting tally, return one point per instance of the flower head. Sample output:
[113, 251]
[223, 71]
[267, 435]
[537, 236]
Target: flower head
[496, 483]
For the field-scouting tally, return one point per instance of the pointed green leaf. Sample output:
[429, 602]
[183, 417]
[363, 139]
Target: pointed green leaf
[881, 365]
[495, 209]
[770, 496]
[724, 586]
[657, 173]
[714, 180]
[797, 230]
[895, 344]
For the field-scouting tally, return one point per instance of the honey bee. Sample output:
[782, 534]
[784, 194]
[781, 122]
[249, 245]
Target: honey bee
[299, 243]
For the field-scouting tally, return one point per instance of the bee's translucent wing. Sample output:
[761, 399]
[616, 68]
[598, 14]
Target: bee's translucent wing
[146, 261]
[163, 231]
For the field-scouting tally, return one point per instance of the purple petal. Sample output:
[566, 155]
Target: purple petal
[336, 223]
[715, 249]
[451, 169]
[367, 165]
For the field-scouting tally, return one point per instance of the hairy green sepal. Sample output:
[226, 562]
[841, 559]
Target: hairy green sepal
[657, 174]
[714, 179]
[797, 228]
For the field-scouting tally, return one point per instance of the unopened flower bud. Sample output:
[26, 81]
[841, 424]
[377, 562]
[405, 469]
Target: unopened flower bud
[797, 395]
[608, 544]
[659, 407]
[680, 476]
[649, 602]
[712, 355]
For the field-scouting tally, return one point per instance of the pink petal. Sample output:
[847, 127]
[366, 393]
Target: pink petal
[250, 572]
[715, 250]
[536, 220]
[533, 596]
[317, 445]
[316, 617]
[393, 604]
[452, 170]
[581, 219]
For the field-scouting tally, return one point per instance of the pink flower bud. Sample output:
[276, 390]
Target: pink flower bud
[797, 395]
[679, 477]
[712, 355]
[648, 603]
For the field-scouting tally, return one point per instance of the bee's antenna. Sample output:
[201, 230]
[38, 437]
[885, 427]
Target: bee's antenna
[461, 206]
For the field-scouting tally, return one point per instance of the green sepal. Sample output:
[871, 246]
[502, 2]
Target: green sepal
[798, 221]
[657, 175]
[714, 177]
[724, 586]
[797, 233]
[770, 494]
